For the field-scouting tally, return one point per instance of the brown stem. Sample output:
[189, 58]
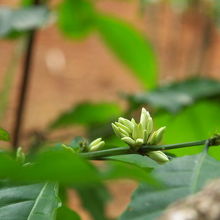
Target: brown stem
[24, 85]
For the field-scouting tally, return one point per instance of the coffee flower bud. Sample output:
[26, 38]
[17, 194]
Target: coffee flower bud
[158, 156]
[156, 136]
[139, 134]
[97, 144]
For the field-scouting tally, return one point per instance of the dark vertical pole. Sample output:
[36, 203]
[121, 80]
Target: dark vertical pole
[25, 78]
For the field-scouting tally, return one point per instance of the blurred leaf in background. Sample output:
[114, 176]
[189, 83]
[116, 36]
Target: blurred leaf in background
[88, 114]
[131, 47]
[197, 122]
[4, 135]
[76, 17]
[175, 96]
[21, 20]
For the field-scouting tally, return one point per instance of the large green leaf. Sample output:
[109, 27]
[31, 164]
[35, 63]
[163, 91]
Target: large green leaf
[124, 170]
[194, 123]
[65, 213]
[29, 202]
[76, 17]
[87, 114]
[131, 47]
[94, 198]
[181, 177]
[24, 19]
[66, 167]
[4, 135]
[173, 97]
[137, 160]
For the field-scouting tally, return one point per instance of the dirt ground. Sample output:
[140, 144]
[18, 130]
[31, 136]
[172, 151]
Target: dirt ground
[66, 72]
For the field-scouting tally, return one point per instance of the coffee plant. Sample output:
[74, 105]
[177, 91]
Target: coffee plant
[166, 139]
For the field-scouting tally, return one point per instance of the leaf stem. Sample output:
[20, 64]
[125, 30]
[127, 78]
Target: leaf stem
[143, 150]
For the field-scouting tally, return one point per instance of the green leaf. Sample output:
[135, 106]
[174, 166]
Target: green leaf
[197, 122]
[20, 20]
[124, 170]
[94, 199]
[76, 17]
[131, 47]
[173, 97]
[181, 177]
[137, 160]
[87, 114]
[4, 135]
[69, 168]
[66, 167]
[29, 202]
[65, 213]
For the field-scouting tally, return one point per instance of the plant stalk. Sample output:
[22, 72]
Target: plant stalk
[22, 97]
[143, 150]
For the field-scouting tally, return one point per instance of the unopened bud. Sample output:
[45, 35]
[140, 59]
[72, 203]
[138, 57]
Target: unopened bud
[156, 136]
[158, 156]
[129, 141]
[97, 146]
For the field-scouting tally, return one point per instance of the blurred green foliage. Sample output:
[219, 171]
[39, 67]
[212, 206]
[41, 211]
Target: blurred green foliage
[4, 135]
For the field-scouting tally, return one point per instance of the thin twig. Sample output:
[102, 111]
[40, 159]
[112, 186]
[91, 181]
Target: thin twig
[127, 150]
[24, 86]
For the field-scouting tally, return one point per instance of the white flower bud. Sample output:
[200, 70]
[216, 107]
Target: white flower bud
[139, 141]
[97, 146]
[133, 122]
[156, 136]
[149, 126]
[96, 141]
[126, 122]
[127, 129]
[144, 117]
[140, 131]
[129, 141]
[123, 132]
[135, 132]
[158, 156]
[116, 130]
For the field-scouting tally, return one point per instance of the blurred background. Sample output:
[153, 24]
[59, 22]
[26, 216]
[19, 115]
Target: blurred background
[72, 66]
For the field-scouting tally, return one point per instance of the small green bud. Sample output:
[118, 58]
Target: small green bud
[156, 136]
[139, 141]
[116, 130]
[129, 141]
[96, 141]
[20, 156]
[158, 156]
[144, 117]
[140, 131]
[126, 122]
[135, 132]
[123, 132]
[133, 122]
[119, 125]
[149, 126]
[97, 146]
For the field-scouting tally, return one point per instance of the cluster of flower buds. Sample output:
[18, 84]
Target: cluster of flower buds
[138, 134]
[97, 144]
